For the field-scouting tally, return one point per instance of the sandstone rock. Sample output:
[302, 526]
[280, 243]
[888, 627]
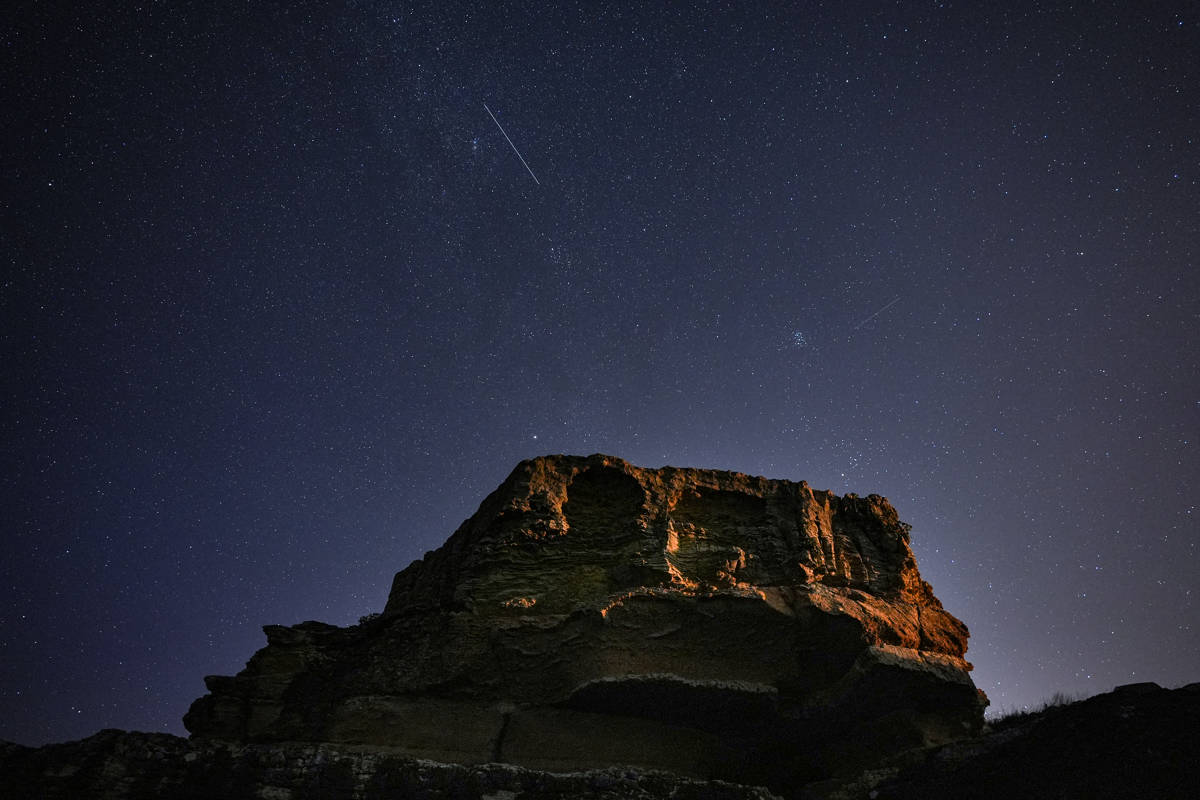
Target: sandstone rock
[593, 613]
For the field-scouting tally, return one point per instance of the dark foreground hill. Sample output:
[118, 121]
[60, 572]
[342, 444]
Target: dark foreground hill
[1138, 741]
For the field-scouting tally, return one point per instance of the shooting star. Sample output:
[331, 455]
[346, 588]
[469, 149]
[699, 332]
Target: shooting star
[877, 313]
[510, 144]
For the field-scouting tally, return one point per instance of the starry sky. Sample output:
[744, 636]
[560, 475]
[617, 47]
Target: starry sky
[281, 304]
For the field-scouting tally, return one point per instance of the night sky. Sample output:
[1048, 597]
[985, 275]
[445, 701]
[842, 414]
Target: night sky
[281, 304]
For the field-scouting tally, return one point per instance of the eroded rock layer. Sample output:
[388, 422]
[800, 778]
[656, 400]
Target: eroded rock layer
[593, 613]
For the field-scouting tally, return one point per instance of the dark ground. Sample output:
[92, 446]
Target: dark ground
[1138, 741]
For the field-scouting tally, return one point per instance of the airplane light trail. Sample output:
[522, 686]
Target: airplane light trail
[510, 143]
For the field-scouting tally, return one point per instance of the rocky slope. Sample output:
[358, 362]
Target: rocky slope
[593, 613]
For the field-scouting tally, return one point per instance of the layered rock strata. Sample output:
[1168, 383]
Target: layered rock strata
[593, 613]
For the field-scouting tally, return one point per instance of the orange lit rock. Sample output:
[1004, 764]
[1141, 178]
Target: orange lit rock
[594, 613]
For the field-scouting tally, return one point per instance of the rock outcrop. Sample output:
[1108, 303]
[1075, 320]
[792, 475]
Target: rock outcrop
[593, 614]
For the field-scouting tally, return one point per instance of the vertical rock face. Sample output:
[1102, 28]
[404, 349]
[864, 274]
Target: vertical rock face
[593, 613]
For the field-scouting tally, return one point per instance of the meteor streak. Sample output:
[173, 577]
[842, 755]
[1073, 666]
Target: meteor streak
[877, 313]
[514, 147]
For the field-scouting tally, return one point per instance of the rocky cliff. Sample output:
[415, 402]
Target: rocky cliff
[593, 613]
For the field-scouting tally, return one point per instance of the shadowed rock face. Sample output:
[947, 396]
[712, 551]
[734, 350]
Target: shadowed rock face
[593, 613]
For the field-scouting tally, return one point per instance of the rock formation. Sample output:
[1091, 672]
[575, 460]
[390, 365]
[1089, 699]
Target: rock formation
[593, 613]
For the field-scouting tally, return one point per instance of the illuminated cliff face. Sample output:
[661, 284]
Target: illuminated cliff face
[595, 613]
